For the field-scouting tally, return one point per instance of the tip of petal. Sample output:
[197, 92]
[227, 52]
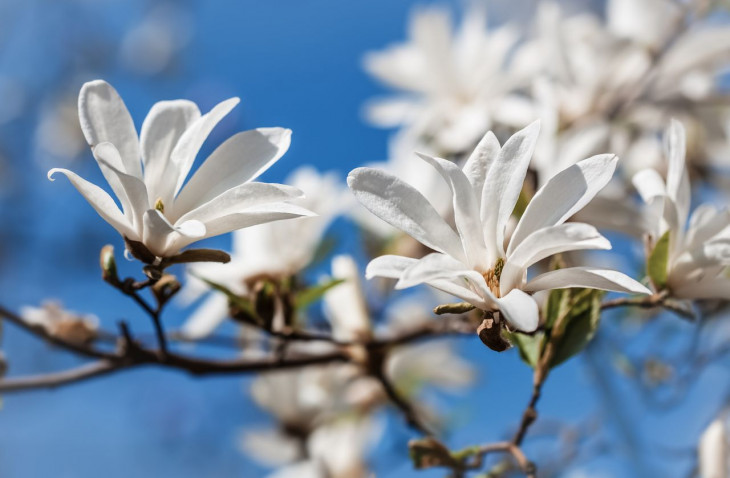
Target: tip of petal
[354, 174]
[52, 172]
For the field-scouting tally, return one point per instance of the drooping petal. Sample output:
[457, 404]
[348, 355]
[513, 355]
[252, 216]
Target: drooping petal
[504, 183]
[389, 266]
[431, 267]
[130, 190]
[240, 198]
[104, 117]
[588, 277]
[242, 158]
[206, 318]
[466, 211]
[563, 195]
[162, 128]
[480, 160]
[546, 242]
[187, 147]
[403, 207]
[520, 310]
[102, 203]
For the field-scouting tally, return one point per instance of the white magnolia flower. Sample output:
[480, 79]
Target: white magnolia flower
[714, 451]
[456, 85]
[698, 252]
[278, 249]
[147, 174]
[478, 263]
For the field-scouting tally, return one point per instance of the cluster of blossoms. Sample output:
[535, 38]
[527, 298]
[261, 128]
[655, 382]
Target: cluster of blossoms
[476, 224]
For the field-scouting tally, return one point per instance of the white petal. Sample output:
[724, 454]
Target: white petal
[104, 117]
[403, 207]
[520, 310]
[677, 178]
[242, 158]
[240, 198]
[162, 128]
[717, 288]
[102, 203]
[130, 190]
[649, 184]
[479, 162]
[460, 287]
[546, 242]
[588, 277]
[389, 266]
[248, 217]
[206, 318]
[504, 183]
[187, 147]
[466, 211]
[563, 195]
[430, 267]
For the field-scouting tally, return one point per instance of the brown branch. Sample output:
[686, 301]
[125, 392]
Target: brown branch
[405, 407]
[53, 380]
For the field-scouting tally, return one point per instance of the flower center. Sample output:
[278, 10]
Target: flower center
[160, 206]
[492, 277]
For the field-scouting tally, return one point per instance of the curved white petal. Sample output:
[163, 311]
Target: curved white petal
[466, 211]
[187, 147]
[504, 183]
[716, 288]
[520, 310]
[403, 207]
[588, 277]
[242, 158]
[104, 117]
[431, 267]
[102, 203]
[240, 198]
[481, 159]
[389, 266]
[649, 184]
[564, 194]
[130, 190]
[206, 318]
[546, 242]
[162, 128]
[677, 178]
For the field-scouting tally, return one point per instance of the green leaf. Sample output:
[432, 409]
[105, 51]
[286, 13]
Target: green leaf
[234, 300]
[530, 346]
[656, 264]
[314, 293]
[580, 325]
[557, 305]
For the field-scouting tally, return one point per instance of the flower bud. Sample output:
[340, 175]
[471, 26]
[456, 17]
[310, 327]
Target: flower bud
[108, 264]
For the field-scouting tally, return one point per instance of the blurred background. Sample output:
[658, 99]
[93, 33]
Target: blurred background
[296, 64]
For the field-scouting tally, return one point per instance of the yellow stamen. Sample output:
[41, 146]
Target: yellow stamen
[159, 205]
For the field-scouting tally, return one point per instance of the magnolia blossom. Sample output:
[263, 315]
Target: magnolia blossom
[147, 174]
[456, 85]
[714, 451]
[336, 450]
[275, 250]
[614, 84]
[699, 252]
[477, 262]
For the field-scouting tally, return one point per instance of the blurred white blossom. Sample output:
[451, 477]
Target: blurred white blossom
[698, 251]
[61, 323]
[477, 263]
[157, 210]
[714, 451]
[274, 250]
[455, 84]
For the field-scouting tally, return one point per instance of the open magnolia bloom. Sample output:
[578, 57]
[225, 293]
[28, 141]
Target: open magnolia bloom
[477, 262]
[276, 250]
[690, 260]
[147, 174]
[455, 84]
